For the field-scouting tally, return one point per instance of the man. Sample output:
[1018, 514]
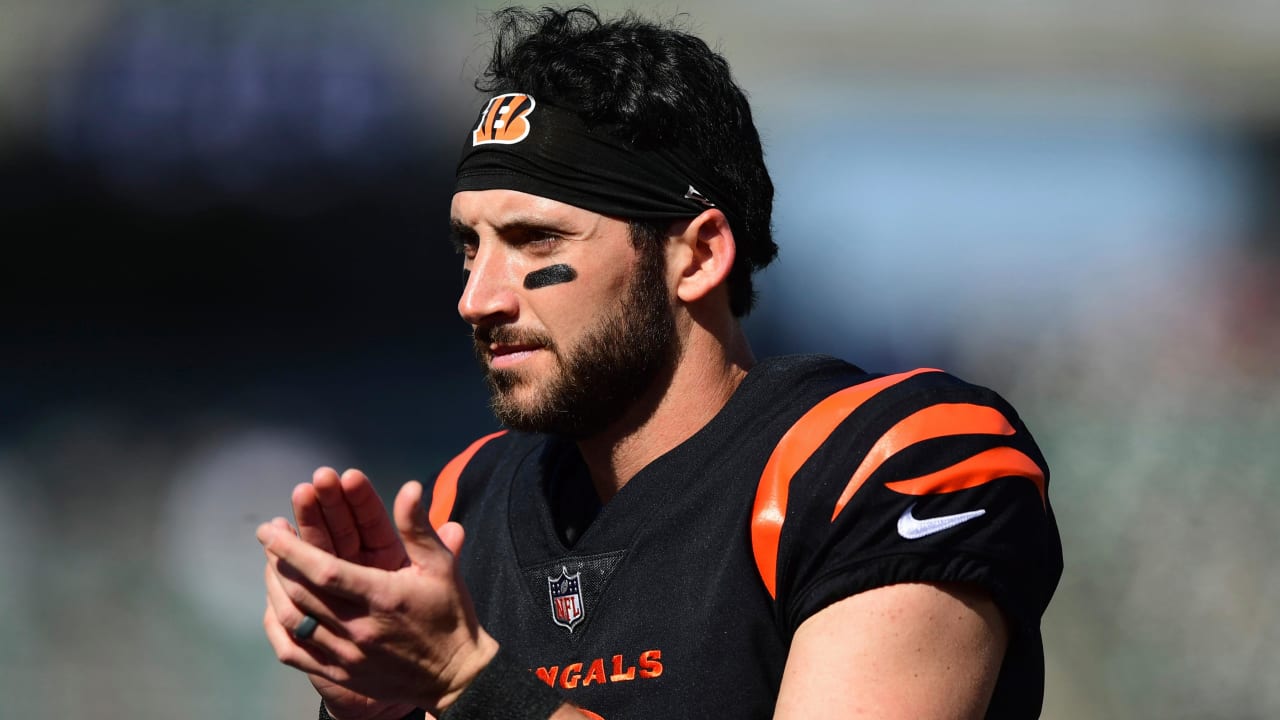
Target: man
[670, 529]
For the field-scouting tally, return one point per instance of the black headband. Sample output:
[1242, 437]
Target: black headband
[520, 144]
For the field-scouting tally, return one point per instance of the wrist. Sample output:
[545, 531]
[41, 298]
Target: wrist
[502, 688]
[389, 713]
[486, 650]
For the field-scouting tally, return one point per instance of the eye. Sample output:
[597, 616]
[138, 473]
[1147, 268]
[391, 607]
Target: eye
[539, 242]
[465, 248]
[465, 240]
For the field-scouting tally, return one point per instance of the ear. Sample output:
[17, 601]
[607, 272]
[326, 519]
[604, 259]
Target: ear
[705, 251]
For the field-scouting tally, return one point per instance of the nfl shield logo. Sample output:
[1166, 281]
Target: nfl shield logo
[566, 598]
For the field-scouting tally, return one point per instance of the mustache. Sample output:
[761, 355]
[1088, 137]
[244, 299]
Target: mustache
[487, 335]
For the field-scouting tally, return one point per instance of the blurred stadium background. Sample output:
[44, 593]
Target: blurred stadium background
[224, 263]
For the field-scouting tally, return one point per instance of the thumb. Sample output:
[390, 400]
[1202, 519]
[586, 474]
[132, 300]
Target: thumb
[420, 541]
[452, 535]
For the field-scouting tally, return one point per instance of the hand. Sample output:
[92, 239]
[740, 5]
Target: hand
[344, 516]
[404, 637]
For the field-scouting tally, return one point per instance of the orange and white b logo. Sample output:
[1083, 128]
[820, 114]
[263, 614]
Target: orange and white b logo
[505, 120]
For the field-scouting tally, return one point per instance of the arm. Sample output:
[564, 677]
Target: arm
[910, 650]
[892, 602]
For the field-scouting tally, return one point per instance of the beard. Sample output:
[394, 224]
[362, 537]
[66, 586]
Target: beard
[602, 377]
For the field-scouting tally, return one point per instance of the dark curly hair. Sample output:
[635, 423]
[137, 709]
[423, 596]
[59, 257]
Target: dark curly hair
[657, 85]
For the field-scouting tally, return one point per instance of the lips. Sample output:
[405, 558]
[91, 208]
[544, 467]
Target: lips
[504, 346]
[496, 350]
[507, 356]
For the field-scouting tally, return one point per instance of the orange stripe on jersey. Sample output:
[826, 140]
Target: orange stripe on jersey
[978, 470]
[446, 490]
[935, 421]
[795, 447]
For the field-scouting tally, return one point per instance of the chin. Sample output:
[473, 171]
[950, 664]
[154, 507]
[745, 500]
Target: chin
[518, 402]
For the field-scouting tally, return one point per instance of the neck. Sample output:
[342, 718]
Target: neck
[711, 364]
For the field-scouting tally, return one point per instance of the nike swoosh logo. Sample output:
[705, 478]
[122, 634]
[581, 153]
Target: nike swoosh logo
[912, 528]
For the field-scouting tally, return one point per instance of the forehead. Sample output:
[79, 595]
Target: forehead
[500, 209]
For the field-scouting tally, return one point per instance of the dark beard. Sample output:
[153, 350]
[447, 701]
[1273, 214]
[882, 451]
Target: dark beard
[605, 374]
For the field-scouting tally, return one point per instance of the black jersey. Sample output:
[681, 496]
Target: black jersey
[816, 481]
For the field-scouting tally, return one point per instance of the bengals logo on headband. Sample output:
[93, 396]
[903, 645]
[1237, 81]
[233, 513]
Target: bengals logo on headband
[505, 120]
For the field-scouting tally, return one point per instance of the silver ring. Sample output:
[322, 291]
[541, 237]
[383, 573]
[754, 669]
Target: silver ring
[306, 628]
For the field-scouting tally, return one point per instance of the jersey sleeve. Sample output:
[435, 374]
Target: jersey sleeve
[929, 479]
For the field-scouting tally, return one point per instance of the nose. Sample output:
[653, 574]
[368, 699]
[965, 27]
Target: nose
[489, 295]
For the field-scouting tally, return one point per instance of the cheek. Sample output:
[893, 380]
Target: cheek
[570, 308]
[604, 288]
[567, 304]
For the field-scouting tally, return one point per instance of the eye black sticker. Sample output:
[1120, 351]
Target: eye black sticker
[550, 275]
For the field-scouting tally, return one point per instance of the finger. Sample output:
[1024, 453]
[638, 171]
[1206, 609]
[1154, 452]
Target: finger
[309, 516]
[420, 541]
[377, 533]
[452, 535]
[328, 653]
[307, 657]
[283, 525]
[280, 525]
[325, 572]
[337, 513]
[293, 601]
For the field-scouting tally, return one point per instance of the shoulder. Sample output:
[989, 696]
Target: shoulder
[908, 392]
[801, 379]
[835, 403]
[469, 470]
[845, 501]
[916, 479]
[919, 432]
[893, 411]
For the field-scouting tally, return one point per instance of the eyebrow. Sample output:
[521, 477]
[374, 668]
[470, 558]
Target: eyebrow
[464, 235]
